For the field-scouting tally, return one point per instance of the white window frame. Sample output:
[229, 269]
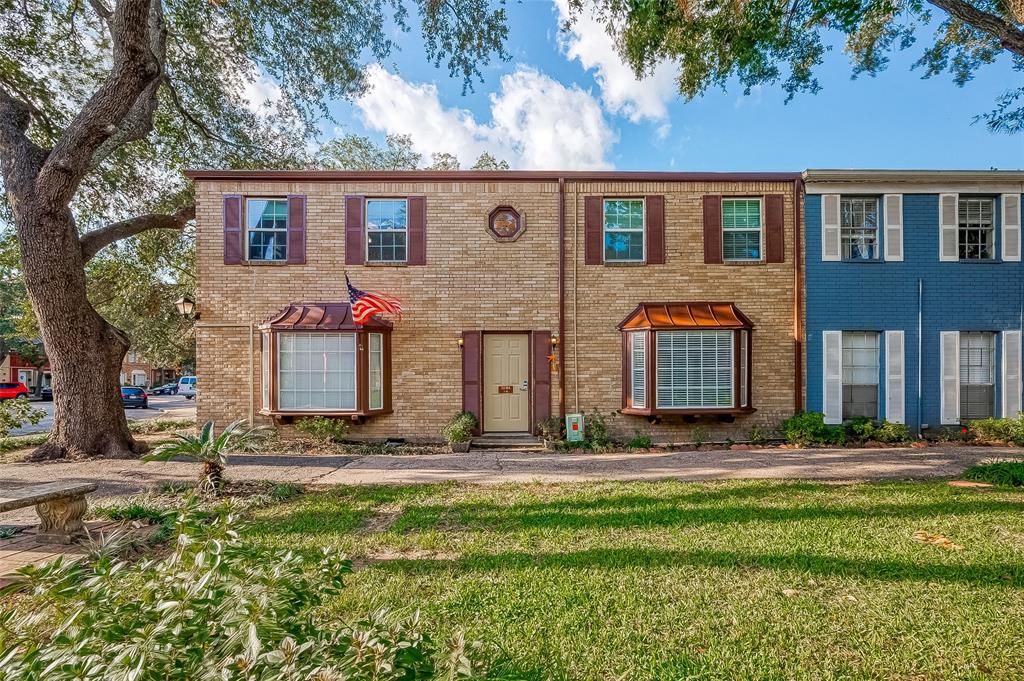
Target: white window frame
[247, 230]
[355, 372]
[877, 366]
[375, 368]
[734, 230]
[638, 351]
[879, 207]
[992, 228]
[642, 230]
[367, 230]
[732, 335]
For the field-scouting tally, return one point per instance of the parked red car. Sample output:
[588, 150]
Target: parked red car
[9, 391]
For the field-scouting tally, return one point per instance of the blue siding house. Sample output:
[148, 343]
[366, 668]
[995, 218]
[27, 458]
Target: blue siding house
[915, 295]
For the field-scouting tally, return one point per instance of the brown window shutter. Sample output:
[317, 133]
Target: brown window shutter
[354, 252]
[655, 221]
[774, 229]
[417, 231]
[233, 233]
[296, 229]
[471, 372]
[593, 226]
[712, 228]
[541, 376]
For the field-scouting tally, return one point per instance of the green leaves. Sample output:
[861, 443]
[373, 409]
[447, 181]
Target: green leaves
[211, 449]
[216, 607]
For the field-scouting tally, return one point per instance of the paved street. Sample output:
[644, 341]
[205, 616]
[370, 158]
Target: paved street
[160, 406]
[120, 477]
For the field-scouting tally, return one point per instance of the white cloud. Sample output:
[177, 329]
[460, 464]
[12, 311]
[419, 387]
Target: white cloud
[536, 122]
[621, 92]
[261, 94]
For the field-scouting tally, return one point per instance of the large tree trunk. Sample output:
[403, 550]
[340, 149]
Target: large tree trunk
[85, 351]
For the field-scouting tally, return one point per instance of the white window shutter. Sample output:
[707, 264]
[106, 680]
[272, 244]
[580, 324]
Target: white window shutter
[948, 224]
[1011, 373]
[830, 248]
[894, 227]
[832, 397]
[949, 360]
[895, 383]
[1011, 227]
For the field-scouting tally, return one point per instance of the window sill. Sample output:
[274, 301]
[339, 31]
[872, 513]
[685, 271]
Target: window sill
[369, 263]
[353, 413]
[734, 411]
[267, 263]
[864, 261]
[745, 263]
[988, 261]
[625, 263]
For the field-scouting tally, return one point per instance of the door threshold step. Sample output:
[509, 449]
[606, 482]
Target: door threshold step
[508, 441]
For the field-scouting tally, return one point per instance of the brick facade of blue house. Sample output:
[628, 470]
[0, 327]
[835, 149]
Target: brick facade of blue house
[932, 314]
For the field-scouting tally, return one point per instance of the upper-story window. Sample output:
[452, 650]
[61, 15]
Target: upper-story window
[976, 233]
[623, 230]
[858, 222]
[741, 229]
[387, 228]
[266, 224]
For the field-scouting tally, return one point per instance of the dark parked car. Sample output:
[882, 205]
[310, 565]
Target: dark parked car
[134, 397]
[46, 394]
[165, 389]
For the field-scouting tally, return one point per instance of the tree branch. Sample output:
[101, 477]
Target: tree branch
[93, 242]
[16, 149]
[118, 110]
[1008, 35]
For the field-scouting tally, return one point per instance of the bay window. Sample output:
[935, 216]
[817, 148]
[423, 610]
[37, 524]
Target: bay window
[686, 358]
[316, 360]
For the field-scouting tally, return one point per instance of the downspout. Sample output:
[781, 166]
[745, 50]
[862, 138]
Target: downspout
[920, 308]
[561, 297]
[798, 288]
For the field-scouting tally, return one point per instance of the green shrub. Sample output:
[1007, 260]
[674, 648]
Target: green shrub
[861, 428]
[810, 430]
[216, 607]
[700, 436]
[640, 441]
[892, 433]
[758, 436]
[595, 431]
[1006, 430]
[16, 413]
[459, 427]
[552, 428]
[1002, 473]
[323, 428]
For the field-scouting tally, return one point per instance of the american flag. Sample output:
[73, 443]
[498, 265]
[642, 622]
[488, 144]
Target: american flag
[365, 304]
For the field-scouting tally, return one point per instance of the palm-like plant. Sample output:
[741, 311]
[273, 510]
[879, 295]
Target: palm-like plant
[212, 450]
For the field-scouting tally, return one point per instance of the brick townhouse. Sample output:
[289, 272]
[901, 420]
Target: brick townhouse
[914, 295]
[666, 301]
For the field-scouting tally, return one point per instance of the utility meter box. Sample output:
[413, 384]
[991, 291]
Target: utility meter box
[574, 427]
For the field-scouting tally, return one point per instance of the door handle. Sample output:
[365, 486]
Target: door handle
[525, 385]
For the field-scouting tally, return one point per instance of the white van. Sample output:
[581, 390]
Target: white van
[187, 387]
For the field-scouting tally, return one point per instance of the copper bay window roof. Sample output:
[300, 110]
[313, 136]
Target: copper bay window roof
[707, 316]
[320, 317]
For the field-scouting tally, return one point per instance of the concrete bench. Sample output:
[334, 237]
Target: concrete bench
[60, 506]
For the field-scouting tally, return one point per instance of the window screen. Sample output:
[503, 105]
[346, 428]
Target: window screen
[267, 229]
[623, 230]
[860, 374]
[977, 375]
[858, 218]
[741, 229]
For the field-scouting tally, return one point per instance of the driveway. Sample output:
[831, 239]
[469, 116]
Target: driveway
[160, 406]
[119, 477]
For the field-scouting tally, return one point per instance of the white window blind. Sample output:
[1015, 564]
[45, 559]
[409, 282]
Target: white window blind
[265, 372]
[694, 369]
[894, 228]
[949, 361]
[832, 390]
[1011, 227]
[895, 383]
[1011, 373]
[316, 371]
[638, 369]
[376, 371]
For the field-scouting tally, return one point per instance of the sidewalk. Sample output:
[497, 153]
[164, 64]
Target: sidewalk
[120, 477]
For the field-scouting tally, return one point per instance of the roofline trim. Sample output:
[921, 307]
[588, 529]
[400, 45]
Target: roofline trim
[487, 175]
[822, 176]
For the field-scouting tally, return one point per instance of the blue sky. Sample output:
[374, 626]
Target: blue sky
[564, 101]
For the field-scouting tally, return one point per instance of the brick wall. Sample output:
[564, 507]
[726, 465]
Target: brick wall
[472, 282]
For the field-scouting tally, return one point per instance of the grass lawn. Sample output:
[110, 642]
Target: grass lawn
[670, 580]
